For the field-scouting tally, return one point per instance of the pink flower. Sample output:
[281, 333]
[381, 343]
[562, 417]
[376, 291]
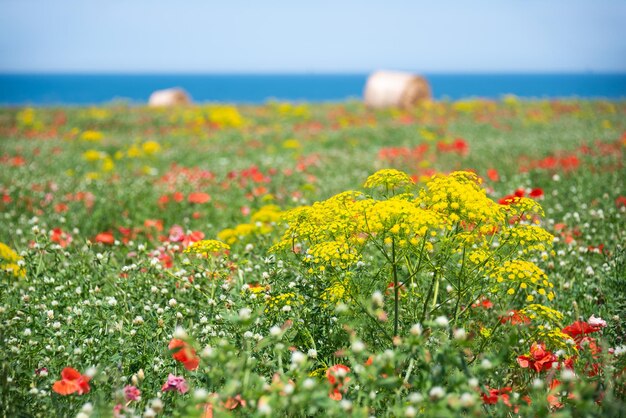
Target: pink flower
[132, 393]
[175, 383]
[596, 322]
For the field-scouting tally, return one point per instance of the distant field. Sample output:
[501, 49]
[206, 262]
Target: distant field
[421, 293]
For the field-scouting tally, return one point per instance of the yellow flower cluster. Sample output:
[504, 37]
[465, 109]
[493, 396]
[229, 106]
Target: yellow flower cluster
[263, 222]
[459, 197]
[526, 209]
[389, 179]
[554, 339]
[279, 302]
[400, 217]
[26, 118]
[147, 148]
[339, 218]
[332, 253]
[530, 237]
[9, 261]
[92, 136]
[537, 311]
[335, 293]
[288, 109]
[526, 276]
[225, 116]
[207, 246]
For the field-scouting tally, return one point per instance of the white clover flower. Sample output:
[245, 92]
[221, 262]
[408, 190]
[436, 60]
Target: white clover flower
[200, 394]
[156, 405]
[467, 400]
[275, 331]
[288, 389]
[460, 334]
[437, 392]
[264, 408]
[312, 353]
[416, 329]
[172, 302]
[180, 333]
[358, 346]
[441, 321]
[207, 352]
[410, 412]
[91, 372]
[308, 384]
[567, 375]
[298, 357]
[377, 299]
[245, 313]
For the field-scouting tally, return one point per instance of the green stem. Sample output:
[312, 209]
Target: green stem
[430, 292]
[396, 290]
[458, 289]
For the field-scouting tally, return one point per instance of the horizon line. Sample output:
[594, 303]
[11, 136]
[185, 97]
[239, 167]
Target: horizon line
[302, 73]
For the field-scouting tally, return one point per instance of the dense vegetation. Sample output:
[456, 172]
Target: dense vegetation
[457, 259]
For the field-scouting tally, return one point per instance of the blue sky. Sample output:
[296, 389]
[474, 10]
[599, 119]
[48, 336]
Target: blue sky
[312, 36]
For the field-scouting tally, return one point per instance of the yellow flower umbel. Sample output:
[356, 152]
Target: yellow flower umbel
[207, 246]
[332, 254]
[525, 276]
[389, 179]
[536, 311]
[283, 302]
[92, 136]
[225, 116]
[335, 293]
[9, 262]
[151, 147]
[530, 237]
[263, 222]
[459, 197]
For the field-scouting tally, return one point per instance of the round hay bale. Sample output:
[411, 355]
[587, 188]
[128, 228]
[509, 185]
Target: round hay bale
[169, 97]
[395, 89]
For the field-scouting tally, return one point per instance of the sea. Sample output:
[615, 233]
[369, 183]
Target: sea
[98, 89]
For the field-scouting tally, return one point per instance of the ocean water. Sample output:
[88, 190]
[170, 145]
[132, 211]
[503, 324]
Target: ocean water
[81, 89]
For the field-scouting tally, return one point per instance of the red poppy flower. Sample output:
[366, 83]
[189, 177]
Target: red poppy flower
[484, 303]
[493, 175]
[336, 376]
[233, 402]
[534, 193]
[579, 329]
[60, 237]
[184, 353]
[515, 318]
[491, 398]
[539, 359]
[71, 382]
[199, 197]
[105, 238]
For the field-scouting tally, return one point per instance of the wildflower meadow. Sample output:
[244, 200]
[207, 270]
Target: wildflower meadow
[459, 259]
